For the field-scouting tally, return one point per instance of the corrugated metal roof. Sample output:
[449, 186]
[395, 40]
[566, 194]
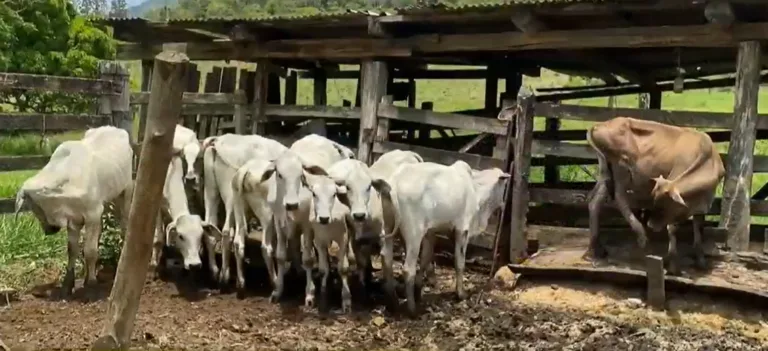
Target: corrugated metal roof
[489, 5]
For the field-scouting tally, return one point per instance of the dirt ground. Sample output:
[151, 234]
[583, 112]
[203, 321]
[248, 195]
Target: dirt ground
[533, 316]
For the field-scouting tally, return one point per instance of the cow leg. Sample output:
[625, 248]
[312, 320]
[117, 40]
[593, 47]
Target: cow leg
[413, 236]
[227, 235]
[672, 257]
[595, 250]
[629, 216]
[427, 264]
[91, 250]
[283, 233]
[307, 239]
[123, 205]
[698, 246]
[73, 250]
[158, 243]
[346, 295]
[239, 250]
[268, 239]
[324, 267]
[388, 255]
[462, 239]
[211, 203]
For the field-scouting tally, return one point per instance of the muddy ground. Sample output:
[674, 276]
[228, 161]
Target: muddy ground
[533, 316]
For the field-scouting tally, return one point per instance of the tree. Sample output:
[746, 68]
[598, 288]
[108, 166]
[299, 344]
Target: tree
[47, 37]
[118, 8]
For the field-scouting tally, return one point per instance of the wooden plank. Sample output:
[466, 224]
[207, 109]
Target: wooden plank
[51, 122]
[311, 111]
[260, 86]
[72, 85]
[521, 171]
[578, 197]
[320, 98]
[693, 119]
[169, 80]
[212, 85]
[374, 87]
[415, 74]
[193, 86]
[19, 163]
[503, 235]
[442, 119]
[120, 109]
[655, 291]
[737, 185]
[439, 156]
[291, 88]
[142, 98]
[146, 78]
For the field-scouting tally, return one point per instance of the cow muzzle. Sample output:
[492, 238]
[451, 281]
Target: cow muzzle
[359, 216]
[292, 206]
[51, 229]
[324, 220]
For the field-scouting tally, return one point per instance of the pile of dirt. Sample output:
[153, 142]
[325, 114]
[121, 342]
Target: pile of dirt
[213, 321]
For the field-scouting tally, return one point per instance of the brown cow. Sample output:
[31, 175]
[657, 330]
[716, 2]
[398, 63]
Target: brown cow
[670, 171]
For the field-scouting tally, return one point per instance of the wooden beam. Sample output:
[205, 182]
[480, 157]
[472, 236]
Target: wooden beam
[43, 83]
[259, 99]
[194, 98]
[415, 74]
[119, 105]
[521, 170]
[374, 87]
[317, 125]
[372, 48]
[169, 78]
[291, 88]
[52, 122]
[311, 111]
[146, 78]
[442, 119]
[737, 185]
[439, 156]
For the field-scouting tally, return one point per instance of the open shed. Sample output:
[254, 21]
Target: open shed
[636, 47]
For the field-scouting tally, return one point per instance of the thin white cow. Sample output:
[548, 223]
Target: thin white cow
[72, 189]
[185, 231]
[186, 144]
[428, 196]
[222, 156]
[310, 155]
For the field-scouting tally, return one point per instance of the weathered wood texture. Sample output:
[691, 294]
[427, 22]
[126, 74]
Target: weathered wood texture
[70, 85]
[655, 291]
[320, 92]
[503, 235]
[260, 86]
[415, 74]
[169, 77]
[737, 185]
[146, 79]
[195, 99]
[443, 119]
[374, 85]
[439, 156]
[291, 88]
[521, 171]
[119, 104]
[54, 122]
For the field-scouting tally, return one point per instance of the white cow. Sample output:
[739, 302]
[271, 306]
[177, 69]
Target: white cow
[310, 155]
[185, 231]
[388, 162]
[186, 144]
[71, 190]
[428, 196]
[222, 156]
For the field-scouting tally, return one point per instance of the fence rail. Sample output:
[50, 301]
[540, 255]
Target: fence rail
[36, 82]
[11, 122]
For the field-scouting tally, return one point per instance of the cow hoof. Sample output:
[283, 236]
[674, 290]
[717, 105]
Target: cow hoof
[274, 297]
[462, 295]
[672, 268]
[346, 306]
[240, 293]
[701, 262]
[309, 301]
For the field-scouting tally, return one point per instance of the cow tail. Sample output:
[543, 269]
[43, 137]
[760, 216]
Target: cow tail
[601, 159]
[393, 202]
[417, 156]
[209, 152]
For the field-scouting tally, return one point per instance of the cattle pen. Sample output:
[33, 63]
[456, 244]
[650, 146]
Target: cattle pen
[644, 48]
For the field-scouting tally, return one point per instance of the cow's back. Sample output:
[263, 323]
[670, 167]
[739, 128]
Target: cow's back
[110, 164]
[317, 150]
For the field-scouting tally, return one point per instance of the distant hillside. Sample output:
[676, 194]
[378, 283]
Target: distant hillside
[142, 8]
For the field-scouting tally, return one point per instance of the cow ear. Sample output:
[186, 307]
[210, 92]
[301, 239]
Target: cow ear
[315, 170]
[20, 197]
[342, 195]
[341, 189]
[171, 234]
[268, 172]
[212, 231]
[504, 176]
[381, 186]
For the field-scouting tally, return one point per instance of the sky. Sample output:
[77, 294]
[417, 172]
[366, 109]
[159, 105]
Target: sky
[134, 2]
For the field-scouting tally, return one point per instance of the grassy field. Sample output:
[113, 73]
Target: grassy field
[27, 256]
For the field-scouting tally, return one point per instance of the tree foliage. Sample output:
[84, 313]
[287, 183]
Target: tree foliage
[47, 37]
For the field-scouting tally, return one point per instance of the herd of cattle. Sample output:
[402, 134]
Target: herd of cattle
[315, 192]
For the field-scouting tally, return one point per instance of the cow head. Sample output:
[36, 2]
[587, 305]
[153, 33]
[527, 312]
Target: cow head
[324, 193]
[190, 153]
[23, 200]
[666, 190]
[355, 184]
[615, 137]
[186, 234]
[290, 170]
[489, 185]
[344, 151]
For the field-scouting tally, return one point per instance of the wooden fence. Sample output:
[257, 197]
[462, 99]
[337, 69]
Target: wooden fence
[111, 88]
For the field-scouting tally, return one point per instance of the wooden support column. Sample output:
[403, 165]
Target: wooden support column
[241, 123]
[501, 248]
[374, 77]
[655, 100]
[291, 88]
[146, 78]
[119, 105]
[654, 273]
[382, 128]
[318, 125]
[737, 186]
[169, 79]
[258, 118]
[512, 83]
[491, 87]
[521, 170]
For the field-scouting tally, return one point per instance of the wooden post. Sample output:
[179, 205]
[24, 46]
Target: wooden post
[146, 78]
[120, 105]
[643, 101]
[491, 87]
[521, 170]
[169, 79]
[654, 272]
[317, 125]
[512, 84]
[258, 119]
[501, 247]
[655, 100]
[737, 186]
[382, 128]
[241, 123]
[374, 77]
[551, 170]
[291, 88]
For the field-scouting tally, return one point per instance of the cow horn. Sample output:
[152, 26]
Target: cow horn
[20, 197]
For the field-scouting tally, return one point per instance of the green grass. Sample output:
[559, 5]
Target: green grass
[27, 256]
